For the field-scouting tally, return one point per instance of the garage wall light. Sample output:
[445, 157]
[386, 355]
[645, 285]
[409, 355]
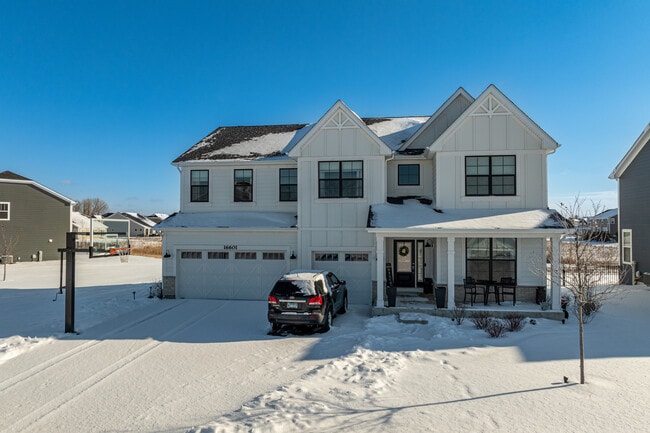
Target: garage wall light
[293, 256]
[167, 254]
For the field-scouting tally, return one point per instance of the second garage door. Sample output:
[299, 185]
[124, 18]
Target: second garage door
[353, 267]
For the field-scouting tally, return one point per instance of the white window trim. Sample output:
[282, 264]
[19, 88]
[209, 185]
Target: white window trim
[8, 210]
[623, 246]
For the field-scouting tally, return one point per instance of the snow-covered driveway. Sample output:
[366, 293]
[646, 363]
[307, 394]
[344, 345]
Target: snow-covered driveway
[181, 357]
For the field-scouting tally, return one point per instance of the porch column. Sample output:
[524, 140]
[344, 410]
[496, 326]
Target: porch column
[380, 271]
[451, 253]
[555, 273]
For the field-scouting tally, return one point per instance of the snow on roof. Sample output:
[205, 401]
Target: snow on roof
[229, 220]
[609, 213]
[395, 131]
[414, 215]
[83, 222]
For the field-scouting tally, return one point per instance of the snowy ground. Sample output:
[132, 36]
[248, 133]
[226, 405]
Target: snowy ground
[148, 365]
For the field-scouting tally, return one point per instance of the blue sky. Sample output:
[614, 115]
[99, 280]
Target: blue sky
[97, 98]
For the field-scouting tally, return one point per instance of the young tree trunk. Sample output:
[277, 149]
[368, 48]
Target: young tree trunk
[582, 345]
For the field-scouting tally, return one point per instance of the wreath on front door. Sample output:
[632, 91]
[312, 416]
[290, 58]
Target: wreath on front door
[403, 251]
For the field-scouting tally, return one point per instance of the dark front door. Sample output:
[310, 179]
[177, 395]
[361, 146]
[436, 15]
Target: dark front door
[404, 264]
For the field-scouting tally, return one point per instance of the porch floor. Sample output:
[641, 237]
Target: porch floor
[412, 300]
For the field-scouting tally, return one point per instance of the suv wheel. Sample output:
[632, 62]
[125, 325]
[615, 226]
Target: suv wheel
[327, 323]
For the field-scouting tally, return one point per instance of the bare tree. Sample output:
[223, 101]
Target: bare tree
[584, 262]
[92, 206]
[8, 243]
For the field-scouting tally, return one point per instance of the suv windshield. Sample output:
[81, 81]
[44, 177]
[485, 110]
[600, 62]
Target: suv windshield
[294, 288]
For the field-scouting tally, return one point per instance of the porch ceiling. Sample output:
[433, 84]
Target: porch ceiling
[416, 218]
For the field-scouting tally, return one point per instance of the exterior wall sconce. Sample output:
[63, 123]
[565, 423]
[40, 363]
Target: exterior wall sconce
[293, 256]
[428, 244]
[167, 254]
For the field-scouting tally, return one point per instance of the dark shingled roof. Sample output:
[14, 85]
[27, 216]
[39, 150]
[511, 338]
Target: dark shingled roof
[226, 136]
[12, 176]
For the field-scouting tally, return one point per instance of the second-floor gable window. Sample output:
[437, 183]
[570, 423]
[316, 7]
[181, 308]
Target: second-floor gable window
[243, 185]
[288, 184]
[408, 174]
[490, 175]
[340, 179]
[199, 186]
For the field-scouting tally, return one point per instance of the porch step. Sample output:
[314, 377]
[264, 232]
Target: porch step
[417, 318]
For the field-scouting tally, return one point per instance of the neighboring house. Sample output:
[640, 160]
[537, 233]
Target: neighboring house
[37, 217]
[157, 217]
[461, 192]
[131, 223]
[606, 222]
[633, 176]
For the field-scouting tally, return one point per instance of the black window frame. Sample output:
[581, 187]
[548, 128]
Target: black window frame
[288, 191]
[199, 188]
[490, 177]
[408, 175]
[242, 190]
[489, 258]
[340, 184]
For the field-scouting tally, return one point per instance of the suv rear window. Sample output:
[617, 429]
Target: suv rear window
[294, 288]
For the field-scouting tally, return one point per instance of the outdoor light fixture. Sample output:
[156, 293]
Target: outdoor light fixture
[167, 255]
[293, 256]
[428, 244]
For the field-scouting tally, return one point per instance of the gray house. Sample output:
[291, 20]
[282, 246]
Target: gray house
[35, 217]
[633, 176]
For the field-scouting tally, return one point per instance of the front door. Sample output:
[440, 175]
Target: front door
[404, 264]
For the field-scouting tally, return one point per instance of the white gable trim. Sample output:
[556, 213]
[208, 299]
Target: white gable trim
[631, 154]
[42, 188]
[484, 105]
[339, 116]
[434, 116]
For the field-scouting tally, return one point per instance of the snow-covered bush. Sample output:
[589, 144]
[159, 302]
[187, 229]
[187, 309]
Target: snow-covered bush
[496, 328]
[515, 321]
[481, 319]
[458, 314]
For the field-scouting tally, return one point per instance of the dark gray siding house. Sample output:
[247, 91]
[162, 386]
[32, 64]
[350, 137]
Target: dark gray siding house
[35, 216]
[633, 176]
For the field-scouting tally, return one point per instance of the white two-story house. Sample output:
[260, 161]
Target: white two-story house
[462, 192]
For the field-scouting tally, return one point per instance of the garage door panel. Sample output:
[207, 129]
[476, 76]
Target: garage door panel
[353, 267]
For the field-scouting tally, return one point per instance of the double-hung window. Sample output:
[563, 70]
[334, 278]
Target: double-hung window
[626, 246]
[243, 185]
[340, 179]
[4, 211]
[491, 258]
[408, 174]
[199, 186]
[288, 184]
[490, 175]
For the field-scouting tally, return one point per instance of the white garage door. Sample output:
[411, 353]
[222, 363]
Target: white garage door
[353, 267]
[229, 274]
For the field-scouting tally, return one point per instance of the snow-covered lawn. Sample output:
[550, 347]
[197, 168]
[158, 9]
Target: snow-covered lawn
[151, 365]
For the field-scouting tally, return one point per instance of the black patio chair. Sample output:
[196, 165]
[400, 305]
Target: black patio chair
[508, 287]
[472, 289]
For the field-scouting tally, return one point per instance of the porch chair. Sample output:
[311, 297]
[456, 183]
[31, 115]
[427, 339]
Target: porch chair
[508, 287]
[472, 290]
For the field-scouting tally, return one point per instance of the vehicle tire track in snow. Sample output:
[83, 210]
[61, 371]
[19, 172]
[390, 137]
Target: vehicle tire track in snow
[44, 366]
[80, 388]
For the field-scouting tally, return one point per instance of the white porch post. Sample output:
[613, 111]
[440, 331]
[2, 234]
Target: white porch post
[555, 273]
[451, 253]
[380, 271]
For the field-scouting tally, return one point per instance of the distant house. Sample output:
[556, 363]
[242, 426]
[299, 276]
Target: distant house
[633, 176]
[606, 223]
[129, 222]
[158, 217]
[37, 217]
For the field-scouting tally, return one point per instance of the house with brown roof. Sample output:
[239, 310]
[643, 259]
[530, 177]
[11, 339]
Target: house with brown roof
[400, 202]
[33, 217]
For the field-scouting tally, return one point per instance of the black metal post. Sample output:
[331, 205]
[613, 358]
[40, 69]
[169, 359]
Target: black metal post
[61, 273]
[69, 281]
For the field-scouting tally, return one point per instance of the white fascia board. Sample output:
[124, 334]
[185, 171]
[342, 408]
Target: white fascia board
[435, 115]
[465, 233]
[631, 154]
[42, 188]
[230, 229]
[339, 105]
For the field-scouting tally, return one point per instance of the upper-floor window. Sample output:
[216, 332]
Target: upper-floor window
[288, 184]
[340, 179]
[199, 185]
[490, 175]
[4, 211]
[243, 185]
[408, 174]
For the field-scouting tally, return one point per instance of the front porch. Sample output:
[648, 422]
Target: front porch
[414, 300]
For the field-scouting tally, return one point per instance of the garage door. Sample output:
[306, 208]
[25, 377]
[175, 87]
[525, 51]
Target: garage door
[229, 274]
[353, 267]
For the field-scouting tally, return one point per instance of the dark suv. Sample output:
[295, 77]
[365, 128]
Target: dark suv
[306, 297]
